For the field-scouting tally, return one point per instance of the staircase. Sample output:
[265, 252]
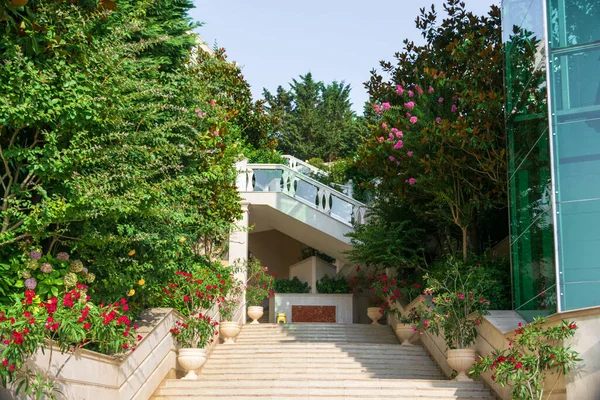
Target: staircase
[319, 361]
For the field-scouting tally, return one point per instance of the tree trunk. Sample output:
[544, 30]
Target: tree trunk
[465, 241]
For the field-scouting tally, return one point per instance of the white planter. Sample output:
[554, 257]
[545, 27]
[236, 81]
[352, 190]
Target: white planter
[229, 331]
[375, 314]
[461, 360]
[255, 312]
[191, 360]
[404, 333]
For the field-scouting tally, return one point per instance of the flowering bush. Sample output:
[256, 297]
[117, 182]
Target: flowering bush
[260, 283]
[231, 303]
[380, 289]
[71, 322]
[533, 353]
[457, 308]
[196, 331]
[191, 292]
[49, 276]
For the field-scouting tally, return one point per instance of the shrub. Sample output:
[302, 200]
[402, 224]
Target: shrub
[260, 283]
[457, 307]
[493, 275]
[71, 322]
[196, 331]
[534, 353]
[293, 285]
[333, 285]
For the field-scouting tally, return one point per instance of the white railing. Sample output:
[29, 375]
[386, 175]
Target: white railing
[280, 178]
[303, 167]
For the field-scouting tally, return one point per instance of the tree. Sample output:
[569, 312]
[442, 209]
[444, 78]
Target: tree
[314, 120]
[438, 138]
[111, 141]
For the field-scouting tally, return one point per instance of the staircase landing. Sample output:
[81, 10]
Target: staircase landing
[319, 361]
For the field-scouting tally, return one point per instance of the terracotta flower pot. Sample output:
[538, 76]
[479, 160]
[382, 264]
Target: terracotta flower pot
[375, 313]
[191, 360]
[461, 360]
[255, 312]
[404, 333]
[20, 3]
[229, 331]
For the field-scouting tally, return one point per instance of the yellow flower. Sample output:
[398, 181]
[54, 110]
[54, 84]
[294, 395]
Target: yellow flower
[132, 252]
[141, 282]
[182, 240]
[131, 292]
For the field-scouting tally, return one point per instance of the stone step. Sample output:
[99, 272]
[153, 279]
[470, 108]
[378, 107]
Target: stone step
[326, 382]
[317, 357]
[299, 362]
[325, 392]
[369, 348]
[310, 373]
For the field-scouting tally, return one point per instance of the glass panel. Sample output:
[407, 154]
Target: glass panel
[522, 15]
[574, 22]
[267, 180]
[576, 82]
[580, 254]
[306, 191]
[523, 136]
[533, 268]
[341, 209]
[578, 154]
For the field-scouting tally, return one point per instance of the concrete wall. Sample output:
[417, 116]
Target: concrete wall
[303, 270]
[323, 268]
[276, 250]
[283, 302]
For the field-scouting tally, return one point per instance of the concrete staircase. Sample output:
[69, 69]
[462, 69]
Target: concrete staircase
[319, 361]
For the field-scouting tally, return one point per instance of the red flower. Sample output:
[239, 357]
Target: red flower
[518, 365]
[11, 368]
[572, 325]
[87, 325]
[5, 362]
[27, 314]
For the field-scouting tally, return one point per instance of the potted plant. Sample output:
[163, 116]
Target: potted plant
[195, 295]
[228, 308]
[192, 336]
[456, 310]
[259, 287]
[381, 291]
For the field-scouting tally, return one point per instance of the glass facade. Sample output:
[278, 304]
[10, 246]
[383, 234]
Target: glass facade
[574, 51]
[568, 140]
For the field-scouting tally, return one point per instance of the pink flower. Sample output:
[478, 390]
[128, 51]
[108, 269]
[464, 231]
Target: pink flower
[453, 108]
[399, 89]
[395, 131]
[385, 106]
[408, 115]
[430, 90]
[426, 323]
[392, 158]
[398, 145]
[419, 90]
[441, 100]
[200, 113]
[410, 105]
[410, 93]
[411, 181]
[216, 132]
[384, 125]
[377, 109]
[391, 137]
[399, 134]
[380, 139]
[213, 102]
[438, 119]
[413, 120]
[410, 154]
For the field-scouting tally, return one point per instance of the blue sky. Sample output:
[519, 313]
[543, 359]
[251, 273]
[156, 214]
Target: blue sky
[277, 40]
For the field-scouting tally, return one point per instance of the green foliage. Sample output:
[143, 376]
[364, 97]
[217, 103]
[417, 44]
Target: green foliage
[457, 307]
[333, 285]
[314, 119]
[196, 331]
[387, 239]
[308, 252]
[536, 352]
[293, 285]
[259, 285]
[437, 139]
[495, 275]
[115, 145]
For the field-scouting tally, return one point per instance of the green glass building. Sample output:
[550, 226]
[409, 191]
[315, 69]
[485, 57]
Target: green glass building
[553, 122]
